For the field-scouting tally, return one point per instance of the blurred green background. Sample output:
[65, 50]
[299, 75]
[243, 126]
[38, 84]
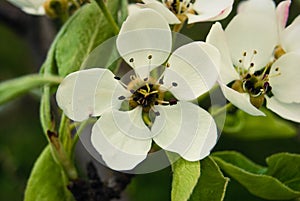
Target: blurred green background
[21, 137]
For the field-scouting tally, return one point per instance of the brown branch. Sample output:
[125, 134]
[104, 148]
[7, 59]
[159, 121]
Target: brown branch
[93, 189]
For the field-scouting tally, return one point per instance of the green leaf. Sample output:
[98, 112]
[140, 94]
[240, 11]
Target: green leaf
[13, 88]
[185, 178]
[259, 180]
[244, 126]
[286, 168]
[46, 182]
[85, 30]
[212, 184]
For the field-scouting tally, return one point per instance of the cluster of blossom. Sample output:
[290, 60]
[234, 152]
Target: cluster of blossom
[254, 59]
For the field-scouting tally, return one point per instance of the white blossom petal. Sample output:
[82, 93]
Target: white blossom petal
[240, 100]
[119, 150]
[210, 10]
[187, 130]
[282, 12]
[252, 6]
[191, 70]
[285, 78]
[89, 93]
[145, 39]
[161, 9]
[217, 38]
[222, 15]
[290, 36]
[133, 8]
[290, 111]
[34, 7]
[243, 37]
[131, 123]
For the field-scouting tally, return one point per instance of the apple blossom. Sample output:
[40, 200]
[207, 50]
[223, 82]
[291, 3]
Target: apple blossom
[137, 112]
[249, 72]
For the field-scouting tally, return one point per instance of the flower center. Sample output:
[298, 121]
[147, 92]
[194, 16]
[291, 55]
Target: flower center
[256, 84]
[146, 96]
[147, 93]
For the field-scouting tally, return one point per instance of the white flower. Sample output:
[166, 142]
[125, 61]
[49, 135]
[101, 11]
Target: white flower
[34, 7]
[175, 11]
[121, 136]
[249, 66]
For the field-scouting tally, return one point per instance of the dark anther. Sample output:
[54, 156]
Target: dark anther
[157, 113]
[173, 101]
[254, 52]
[117, 78]
[277, 69]
[145, 79]
[174, 84]
[121, 97]
[150, 56]
[240, 61]
[167, 65]
[252, 64]
[245, 54]
[131, 60]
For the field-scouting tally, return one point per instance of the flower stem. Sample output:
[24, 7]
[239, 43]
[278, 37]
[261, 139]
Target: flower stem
[108, 16]
[61, 156]
[52, 79]
[77, 135]
[222, 110]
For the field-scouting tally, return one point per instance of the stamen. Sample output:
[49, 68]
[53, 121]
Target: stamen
[117, 78]
[277, 70]
[131, 60]
[162, 102]
[174, 84]
[251, 60]
[149, 64]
